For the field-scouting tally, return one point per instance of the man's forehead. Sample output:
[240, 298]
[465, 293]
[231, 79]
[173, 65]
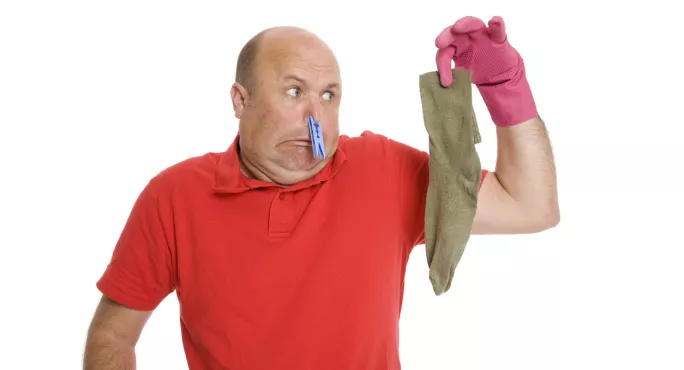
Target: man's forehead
[308, 71]
[299, 56]
[298, 60]
[331, 81]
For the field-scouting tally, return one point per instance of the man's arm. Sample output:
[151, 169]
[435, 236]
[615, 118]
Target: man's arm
[520, 196]
[112, 336]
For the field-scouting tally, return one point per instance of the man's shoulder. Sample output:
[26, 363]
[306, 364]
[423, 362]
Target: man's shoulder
[366, 141]
[365, 136]
[369, 142]
[199, 170]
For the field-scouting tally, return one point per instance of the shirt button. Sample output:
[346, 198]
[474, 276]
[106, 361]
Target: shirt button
[282, 196]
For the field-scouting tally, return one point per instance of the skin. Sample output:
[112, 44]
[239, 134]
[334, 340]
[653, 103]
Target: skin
[520, 196]
[112, 336]
[298, 75]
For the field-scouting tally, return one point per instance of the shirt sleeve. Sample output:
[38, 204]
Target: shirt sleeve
[140, 273]
[413, 178]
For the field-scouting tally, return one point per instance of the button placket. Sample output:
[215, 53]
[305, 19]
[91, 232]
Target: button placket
[282, 214]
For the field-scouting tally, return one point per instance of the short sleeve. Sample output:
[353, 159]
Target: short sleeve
[413, 178]
[140, 273]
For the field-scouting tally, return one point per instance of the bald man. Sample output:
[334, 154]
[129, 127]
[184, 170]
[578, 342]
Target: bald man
[285, 260]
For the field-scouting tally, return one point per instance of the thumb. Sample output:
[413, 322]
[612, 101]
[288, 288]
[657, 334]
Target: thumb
[497, 29]
[444, 58]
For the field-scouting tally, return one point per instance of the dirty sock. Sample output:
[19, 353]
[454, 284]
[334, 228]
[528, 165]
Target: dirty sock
[455, 172]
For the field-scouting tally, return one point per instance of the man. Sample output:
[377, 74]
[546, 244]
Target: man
[281, 260]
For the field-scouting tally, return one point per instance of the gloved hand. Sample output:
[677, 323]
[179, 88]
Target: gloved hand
[496, 67]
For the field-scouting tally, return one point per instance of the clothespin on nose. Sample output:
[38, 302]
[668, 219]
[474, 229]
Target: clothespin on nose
[316, 135]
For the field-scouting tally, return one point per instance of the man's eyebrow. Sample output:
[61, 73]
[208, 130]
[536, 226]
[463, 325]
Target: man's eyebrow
[331, 85]
[296, 78]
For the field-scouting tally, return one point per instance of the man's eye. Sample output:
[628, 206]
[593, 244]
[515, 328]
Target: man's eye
[328, 96]
[293, 91]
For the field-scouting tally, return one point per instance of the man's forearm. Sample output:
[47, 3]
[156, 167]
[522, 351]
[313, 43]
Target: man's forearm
[526, 169]
[103, 352]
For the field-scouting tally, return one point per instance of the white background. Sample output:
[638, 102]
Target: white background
[97, 97]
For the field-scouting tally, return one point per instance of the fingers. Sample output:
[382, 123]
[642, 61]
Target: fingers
[468, 24]
[497, 29]
[444, 58]
[454, 43]
[455, 32]
[445, 38]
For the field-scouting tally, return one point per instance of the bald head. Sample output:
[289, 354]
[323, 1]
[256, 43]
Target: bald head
[272, 43]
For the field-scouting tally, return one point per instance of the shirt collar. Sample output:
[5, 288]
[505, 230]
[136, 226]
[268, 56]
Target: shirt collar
[230, 179]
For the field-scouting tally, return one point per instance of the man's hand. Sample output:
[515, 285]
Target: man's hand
[520, 197]
[497, 69]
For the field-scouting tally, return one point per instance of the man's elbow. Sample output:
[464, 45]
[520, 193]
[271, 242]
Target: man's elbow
[104, 350]
[550, 220]
[544, 219]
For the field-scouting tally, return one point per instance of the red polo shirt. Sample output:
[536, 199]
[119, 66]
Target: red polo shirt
[306, 277]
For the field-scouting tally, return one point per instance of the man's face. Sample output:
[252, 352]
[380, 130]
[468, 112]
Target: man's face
[293, 81]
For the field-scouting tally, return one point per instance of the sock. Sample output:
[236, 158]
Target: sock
[455, 173]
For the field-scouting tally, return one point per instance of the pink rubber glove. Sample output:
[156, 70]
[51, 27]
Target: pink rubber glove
[497, 69]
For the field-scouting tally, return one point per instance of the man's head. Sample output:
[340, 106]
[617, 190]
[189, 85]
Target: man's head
[285, 74]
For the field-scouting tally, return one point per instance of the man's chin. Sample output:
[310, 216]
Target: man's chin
[292, 174]
[304, 164]
[299, 158]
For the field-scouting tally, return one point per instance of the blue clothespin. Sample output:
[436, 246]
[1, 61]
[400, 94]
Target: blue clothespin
[316, 138]
[312, 136]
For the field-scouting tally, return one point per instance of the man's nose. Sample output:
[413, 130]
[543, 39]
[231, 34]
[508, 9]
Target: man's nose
[315, 110]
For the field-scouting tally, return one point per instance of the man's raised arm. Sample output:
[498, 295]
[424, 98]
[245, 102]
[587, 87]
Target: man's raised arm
[520, 195]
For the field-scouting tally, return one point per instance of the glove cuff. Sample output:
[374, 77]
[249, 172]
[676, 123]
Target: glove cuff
[511, 102]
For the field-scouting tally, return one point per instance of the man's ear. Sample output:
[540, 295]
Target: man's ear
[239, 96]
